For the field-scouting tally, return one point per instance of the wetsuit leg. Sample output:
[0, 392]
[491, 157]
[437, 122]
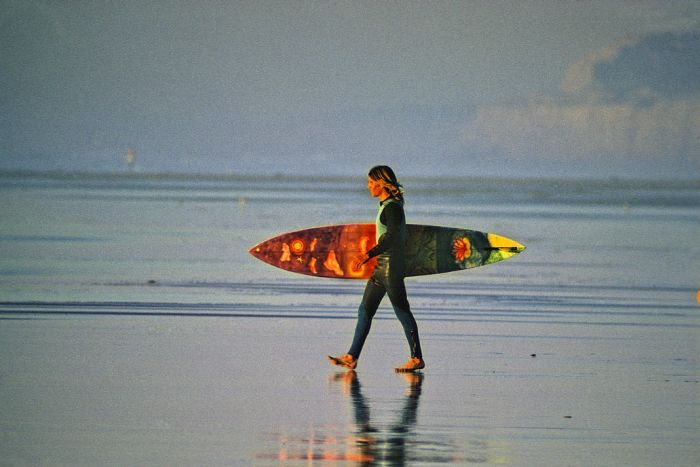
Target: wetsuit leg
[399, 300]
[374, 292]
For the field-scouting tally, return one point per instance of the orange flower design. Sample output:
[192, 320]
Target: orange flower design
[461, 249]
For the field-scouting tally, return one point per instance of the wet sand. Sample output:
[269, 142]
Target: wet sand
[135, 329]
[144, 390]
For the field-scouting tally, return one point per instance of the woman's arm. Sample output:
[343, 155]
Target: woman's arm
[393, 217]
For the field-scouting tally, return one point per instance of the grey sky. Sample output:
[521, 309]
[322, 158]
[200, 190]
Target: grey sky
[332, 86]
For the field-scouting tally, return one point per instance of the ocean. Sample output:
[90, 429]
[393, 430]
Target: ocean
[136, 329]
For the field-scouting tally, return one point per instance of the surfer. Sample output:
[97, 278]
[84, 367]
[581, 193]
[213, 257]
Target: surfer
[388, 276]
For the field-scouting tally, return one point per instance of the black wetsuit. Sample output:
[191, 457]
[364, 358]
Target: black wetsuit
[387, 278]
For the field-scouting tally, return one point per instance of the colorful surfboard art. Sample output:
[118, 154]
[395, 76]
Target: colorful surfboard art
[329, 251]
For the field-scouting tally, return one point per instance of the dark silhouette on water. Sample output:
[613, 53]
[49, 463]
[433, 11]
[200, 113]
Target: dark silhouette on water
[377, 445]
[369, 443]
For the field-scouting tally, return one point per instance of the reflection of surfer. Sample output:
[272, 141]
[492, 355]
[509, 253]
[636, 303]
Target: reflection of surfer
[388, 276]
[371, 443]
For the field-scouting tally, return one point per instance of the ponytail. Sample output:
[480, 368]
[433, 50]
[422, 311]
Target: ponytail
[387, 177]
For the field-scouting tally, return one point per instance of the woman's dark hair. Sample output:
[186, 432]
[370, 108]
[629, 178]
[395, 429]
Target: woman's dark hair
[387, 177]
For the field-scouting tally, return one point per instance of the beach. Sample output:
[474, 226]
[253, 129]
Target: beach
[136, 329]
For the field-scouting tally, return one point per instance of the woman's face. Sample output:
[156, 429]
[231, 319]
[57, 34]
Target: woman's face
[375, 188]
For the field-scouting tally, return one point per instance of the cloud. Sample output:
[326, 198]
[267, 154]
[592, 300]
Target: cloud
[633, 107]
[579, 79]
[549, 129]
[666, 65]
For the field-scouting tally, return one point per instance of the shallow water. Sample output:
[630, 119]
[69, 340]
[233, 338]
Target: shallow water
[136, 328]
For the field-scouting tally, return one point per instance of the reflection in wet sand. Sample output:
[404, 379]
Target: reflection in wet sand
[390, 444]
[367, 443]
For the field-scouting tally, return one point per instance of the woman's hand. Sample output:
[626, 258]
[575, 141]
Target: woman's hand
[359, 261]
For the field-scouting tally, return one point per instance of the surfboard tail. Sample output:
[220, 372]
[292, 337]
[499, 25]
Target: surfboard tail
[328, 251]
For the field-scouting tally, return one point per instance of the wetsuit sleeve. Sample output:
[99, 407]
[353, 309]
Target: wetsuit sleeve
[392, 216]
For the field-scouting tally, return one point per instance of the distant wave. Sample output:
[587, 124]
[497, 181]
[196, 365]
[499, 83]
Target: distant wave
[441, 302]
[574, 192]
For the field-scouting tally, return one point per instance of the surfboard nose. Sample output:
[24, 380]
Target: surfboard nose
[502, 248]
[516, 247]
[505, 244]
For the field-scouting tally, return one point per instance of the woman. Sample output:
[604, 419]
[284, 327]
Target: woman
[387, 278]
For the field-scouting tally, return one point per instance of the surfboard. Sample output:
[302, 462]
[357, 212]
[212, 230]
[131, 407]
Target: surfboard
[329, 251]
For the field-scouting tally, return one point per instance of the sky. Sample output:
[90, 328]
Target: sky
[465, 88]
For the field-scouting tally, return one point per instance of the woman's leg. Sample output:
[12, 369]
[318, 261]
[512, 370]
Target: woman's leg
[374, 292]
[399, 300]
